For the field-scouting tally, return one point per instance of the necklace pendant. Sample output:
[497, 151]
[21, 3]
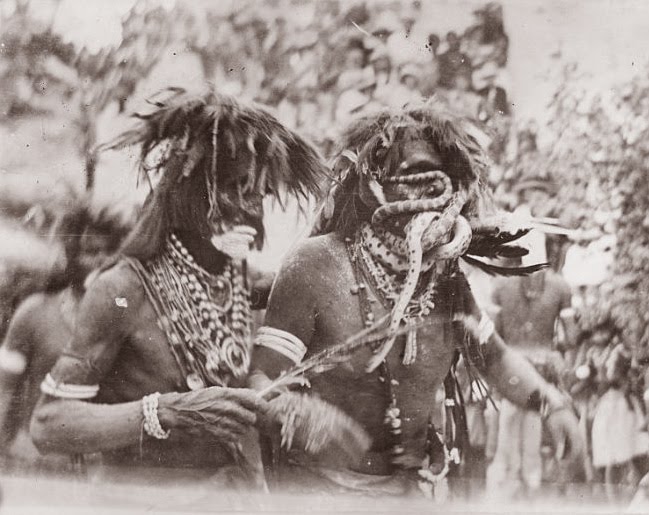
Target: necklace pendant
[410, 352]
[194, 381]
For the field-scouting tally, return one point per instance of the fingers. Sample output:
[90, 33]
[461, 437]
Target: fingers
[247, 398]
[245, 229]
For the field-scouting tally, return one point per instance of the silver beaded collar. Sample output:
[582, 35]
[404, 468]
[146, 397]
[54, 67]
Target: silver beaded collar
[205, 317]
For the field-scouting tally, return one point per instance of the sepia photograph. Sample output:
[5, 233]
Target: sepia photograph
[324, 256]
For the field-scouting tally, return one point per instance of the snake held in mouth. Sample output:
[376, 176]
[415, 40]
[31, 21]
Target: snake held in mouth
[425, 242]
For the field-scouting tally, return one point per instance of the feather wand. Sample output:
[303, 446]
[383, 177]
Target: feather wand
[334, 355]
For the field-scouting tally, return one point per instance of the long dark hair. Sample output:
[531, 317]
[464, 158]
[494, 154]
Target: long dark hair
[372, 143]
[202, 141]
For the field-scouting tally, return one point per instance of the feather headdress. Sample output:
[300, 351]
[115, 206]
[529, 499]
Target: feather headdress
[216, 158]
[369, 149]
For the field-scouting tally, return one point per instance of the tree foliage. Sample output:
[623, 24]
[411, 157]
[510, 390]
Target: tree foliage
[598, 157]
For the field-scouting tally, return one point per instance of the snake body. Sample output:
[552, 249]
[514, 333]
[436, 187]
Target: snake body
[414, 232]
[435, 221]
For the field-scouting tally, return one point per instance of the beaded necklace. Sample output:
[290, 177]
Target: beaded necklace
[431, 476]
[205, 317]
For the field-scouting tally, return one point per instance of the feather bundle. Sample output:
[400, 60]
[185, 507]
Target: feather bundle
[506, 271]
[315, 425]
[282, 161]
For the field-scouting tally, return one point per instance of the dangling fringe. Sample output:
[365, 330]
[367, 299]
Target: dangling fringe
[410, 351]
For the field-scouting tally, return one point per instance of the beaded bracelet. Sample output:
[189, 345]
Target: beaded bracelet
[151, 422]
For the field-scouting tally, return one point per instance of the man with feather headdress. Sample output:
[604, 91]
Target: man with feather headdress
[374, 311]
[162, 334]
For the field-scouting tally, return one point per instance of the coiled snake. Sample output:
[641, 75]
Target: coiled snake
[435, 221]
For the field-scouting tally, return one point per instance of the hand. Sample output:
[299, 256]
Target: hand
[568, 443]
[236, 242]
[225, 413]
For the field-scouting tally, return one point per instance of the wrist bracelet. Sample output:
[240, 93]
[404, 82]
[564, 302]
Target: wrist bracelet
[151, 422]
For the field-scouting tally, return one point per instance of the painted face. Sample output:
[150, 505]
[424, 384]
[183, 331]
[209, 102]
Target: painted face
[417, 157]
[240, 195]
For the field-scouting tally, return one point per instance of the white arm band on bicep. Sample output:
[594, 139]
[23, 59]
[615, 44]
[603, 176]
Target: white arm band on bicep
[68, 391]
[285, 343]
[12, 361]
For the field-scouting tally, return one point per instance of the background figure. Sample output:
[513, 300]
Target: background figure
[41, 327]
[407, 91]
[530, 308]
[452, 61]
[619, 435]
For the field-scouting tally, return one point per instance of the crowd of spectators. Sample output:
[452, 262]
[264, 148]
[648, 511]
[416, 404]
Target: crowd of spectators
[321, 64]
[337, 62]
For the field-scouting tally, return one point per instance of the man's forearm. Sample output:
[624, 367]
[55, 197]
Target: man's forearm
[72, 426]
[516, 378]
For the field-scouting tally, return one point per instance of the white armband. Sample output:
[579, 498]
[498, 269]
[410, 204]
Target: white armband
[68, 391]
[282, 342]
[12, 361]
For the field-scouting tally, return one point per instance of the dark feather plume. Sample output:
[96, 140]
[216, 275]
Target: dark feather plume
[373, 138]
[507, 271]
[287, 163]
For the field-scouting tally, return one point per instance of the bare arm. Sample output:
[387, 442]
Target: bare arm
[14, 356]
[71, 425]
[505, 369]
[518, 381]
[107, 315]
[515, 377]
[291, 310]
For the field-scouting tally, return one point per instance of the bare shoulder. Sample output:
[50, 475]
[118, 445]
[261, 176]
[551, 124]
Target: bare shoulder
[114, 294]
[33, 304]
[311, 263]
[317, 253]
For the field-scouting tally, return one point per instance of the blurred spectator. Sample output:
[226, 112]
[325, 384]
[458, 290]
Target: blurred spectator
[452, 61]
[384, 25]
[382, 66]
[430, 74]
[486, 40]
[355, 56]
[407, 91]
[530, 308]
[619, 435]
[357, 93]
[488, 86]
[461, 98]
[433, 44]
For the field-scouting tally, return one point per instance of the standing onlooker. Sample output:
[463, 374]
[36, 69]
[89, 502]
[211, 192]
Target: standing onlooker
[407, 91]
[530, 308]
[382, 66]
[452, 61]
[620, 440]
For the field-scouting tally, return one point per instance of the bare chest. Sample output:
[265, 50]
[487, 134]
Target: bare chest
[145, 363]
[365, 395]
